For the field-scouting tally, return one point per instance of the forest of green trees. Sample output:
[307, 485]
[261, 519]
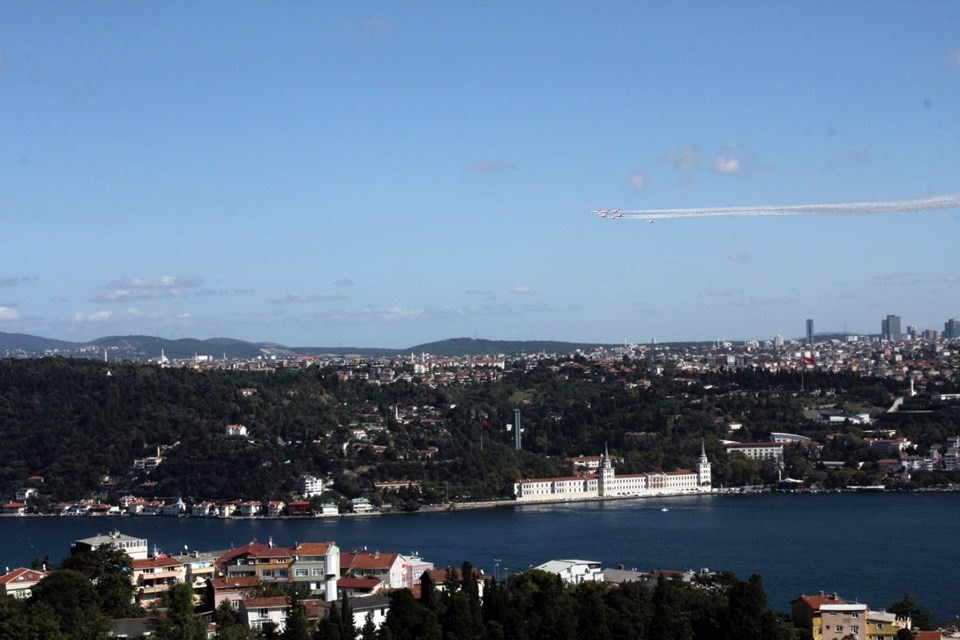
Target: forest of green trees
[77, 422]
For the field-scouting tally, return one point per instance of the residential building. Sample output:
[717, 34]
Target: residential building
[309, 486]
[574, 571]
[236, 430]
[231, 590]
[361, 505]
[830, 617]
[153, 576]
[789, 438]
[258, 613]
[317, 565]
[843, 621]
[298, 509]
[204, 509]
[19, 582]
[757, 450]
[375, 606]
[889, 445]
[199, 569]
[386, 567]
[805, 611]
[136, 548]
[328, 509]
[257, 559]
[882, 625]
[14, 509]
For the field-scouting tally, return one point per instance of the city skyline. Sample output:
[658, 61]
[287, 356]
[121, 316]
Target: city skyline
[384, 176]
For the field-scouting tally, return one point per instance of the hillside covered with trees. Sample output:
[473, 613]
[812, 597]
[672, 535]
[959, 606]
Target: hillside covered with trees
[81, 425]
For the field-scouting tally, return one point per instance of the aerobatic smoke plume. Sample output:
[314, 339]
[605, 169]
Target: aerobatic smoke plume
[933, 203]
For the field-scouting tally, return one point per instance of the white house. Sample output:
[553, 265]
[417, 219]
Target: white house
[236, 430]
[136, 548]
[17, 583]
[574, 571]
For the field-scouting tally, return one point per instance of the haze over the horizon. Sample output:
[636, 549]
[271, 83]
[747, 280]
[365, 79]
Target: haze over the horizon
[385, 175]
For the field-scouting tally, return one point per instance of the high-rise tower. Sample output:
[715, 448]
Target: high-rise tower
[890, 328]
[809, 330]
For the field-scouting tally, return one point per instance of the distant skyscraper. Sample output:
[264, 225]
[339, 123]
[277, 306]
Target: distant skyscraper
[809, 330]
[890, 328]
[951, 328]
[778, 341]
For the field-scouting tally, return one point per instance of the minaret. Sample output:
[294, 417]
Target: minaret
[704, 479]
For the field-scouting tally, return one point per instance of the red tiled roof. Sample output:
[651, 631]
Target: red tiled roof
[357, 560]
[23, 575]
[265, 603]
[241, 582]
[817, 601]
[312, 548]
[162, 561]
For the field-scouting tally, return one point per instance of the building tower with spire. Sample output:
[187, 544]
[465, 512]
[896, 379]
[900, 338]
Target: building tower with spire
[606, 480]
[703, 470]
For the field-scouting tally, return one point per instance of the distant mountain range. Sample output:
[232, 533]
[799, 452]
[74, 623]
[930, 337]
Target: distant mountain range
[146, 347]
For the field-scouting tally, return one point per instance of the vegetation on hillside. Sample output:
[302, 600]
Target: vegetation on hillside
[81, 424]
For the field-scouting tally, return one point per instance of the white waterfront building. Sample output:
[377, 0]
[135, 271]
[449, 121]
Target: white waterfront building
[606, 484]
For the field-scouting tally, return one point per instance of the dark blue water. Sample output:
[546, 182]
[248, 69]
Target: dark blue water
[871, 547]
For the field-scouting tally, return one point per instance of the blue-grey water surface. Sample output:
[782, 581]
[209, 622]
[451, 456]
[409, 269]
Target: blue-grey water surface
[871, 547]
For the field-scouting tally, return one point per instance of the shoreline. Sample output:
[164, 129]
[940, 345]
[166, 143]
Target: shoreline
[508, 502]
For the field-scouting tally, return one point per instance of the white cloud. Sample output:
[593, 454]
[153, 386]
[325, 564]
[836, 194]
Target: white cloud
[522, 290]
[727, 164]
[295, 297]
[116, 317]
[908, 279]
[739, 256]
[163, 282]
[9, 313]
[685, 156]
[97, 317]
[137, 295]
[638, 180]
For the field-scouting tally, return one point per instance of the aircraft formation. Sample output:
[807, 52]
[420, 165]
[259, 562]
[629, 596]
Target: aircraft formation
[933, 203]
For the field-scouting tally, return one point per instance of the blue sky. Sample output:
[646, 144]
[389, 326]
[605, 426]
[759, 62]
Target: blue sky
[388, 174]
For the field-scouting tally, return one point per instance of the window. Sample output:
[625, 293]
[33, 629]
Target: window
[301, 573]
[317, 572]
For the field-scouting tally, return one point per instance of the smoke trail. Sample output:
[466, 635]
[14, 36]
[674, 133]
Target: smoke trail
[933, 203]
